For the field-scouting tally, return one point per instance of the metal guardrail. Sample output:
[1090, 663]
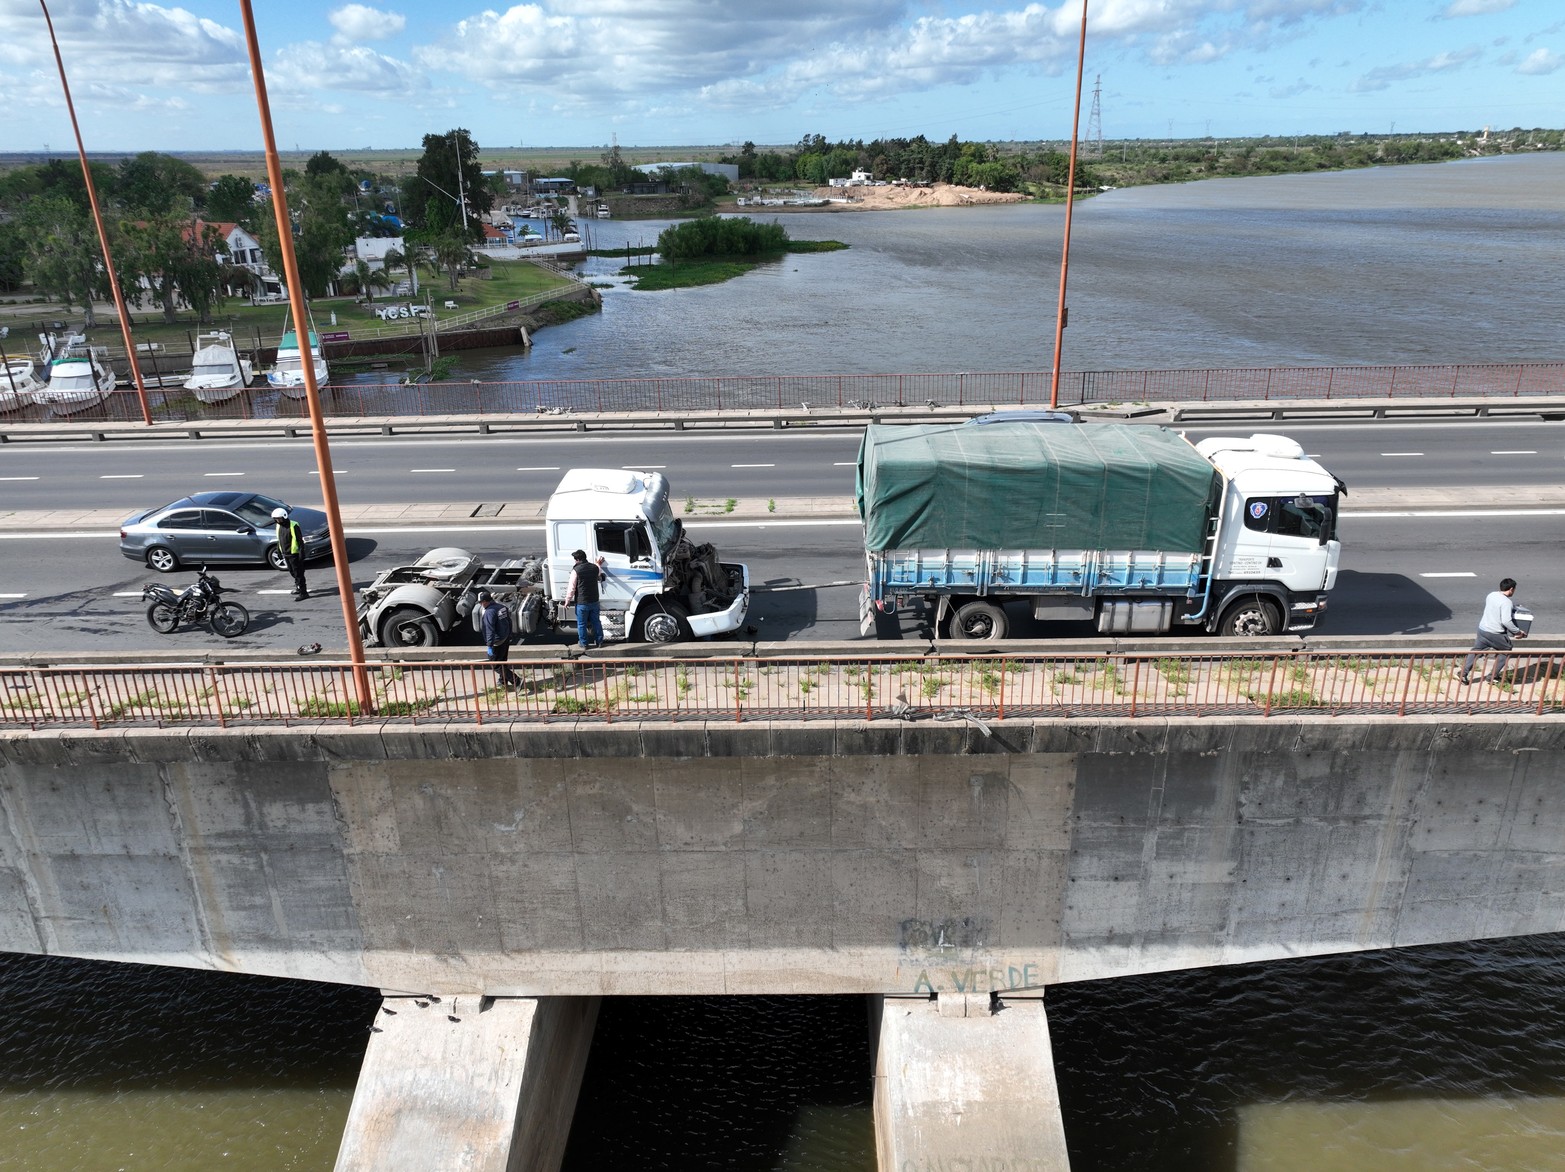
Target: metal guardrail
[975, 688]
[1515, 382]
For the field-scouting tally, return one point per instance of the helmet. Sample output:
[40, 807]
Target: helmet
[279, 514]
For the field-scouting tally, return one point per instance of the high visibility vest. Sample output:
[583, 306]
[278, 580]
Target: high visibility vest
[289, 540]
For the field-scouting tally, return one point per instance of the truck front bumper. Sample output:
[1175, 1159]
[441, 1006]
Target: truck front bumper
[721, 622]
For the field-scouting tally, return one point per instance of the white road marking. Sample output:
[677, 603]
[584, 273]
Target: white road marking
[18, 478]
[336, 472]
[639, 467]
[13, 596]
[1401, 453]
[1450, 574]
[752, 465]
[127, 594]
[554, 468]
[274, 591]
[122, 476]
[1514, 452]
[431, 469]
[222, 474]
[846, 464]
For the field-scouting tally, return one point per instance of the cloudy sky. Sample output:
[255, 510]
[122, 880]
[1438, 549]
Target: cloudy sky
[683, 72]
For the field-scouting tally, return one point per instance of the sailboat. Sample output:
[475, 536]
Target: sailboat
[287, 375]
[79, 376]
[218, 373]
[19, 384]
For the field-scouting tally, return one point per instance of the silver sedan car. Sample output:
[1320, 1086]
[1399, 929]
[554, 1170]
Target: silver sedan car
[211, 527]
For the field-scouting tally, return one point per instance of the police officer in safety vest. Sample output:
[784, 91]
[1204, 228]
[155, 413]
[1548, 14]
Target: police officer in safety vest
[290, 540]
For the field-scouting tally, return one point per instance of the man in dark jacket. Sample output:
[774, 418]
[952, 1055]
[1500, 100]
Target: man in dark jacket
[290, 541]
[583, 591]
[496, 623]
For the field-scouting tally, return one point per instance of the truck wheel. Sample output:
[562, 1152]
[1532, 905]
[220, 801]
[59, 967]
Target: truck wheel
[406, 627]
[660, 622]
[1250, 617]
[978, 620]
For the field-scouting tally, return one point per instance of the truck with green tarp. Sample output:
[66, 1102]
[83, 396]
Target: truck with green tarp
[1129, 526]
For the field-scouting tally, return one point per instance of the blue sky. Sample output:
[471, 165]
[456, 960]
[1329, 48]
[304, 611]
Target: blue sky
[685, 72]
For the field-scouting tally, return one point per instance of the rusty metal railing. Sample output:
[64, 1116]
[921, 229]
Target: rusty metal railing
[1386, 683]
[790, 392]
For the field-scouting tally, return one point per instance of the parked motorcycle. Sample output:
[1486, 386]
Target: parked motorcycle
[201, 602]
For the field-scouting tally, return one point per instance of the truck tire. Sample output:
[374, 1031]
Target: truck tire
[978, 620]
[406, 627]
[1250, 617]
[660, 622]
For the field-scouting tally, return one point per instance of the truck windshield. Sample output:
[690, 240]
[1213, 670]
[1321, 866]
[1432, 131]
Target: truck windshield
[665, 530]
[1303, 515]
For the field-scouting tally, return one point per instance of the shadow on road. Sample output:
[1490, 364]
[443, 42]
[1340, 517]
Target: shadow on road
[1385, 604]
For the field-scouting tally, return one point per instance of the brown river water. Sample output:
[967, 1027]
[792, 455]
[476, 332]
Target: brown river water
[1435, 1059]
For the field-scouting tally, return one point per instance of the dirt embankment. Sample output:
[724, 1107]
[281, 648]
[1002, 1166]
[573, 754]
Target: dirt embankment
[880, 199]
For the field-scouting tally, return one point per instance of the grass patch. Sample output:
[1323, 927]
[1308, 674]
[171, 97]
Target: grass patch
[574, 706]
[147, 699]
[656, 278]
[806, 685]
[320, 706]
[407, 707]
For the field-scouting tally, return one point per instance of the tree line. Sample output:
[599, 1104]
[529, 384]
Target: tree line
[161, 216]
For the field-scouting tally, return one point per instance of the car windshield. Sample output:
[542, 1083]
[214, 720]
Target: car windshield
[258, 509]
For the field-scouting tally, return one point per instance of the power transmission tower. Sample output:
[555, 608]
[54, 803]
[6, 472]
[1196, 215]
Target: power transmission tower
[1094, 147]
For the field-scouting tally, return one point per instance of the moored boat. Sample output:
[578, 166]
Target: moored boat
[287, 375]
[19, 383]
[218, 373]
[79, 378]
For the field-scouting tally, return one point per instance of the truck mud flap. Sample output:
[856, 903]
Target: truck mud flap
[866, 613]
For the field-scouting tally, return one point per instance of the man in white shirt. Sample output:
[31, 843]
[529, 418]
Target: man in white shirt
[1494, 632]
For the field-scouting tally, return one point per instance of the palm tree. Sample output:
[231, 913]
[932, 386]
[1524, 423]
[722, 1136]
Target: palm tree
[370, 279]
[561, 222]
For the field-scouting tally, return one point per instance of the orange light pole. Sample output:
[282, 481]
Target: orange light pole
[301, 319]
[1070, 199]
[97, 219]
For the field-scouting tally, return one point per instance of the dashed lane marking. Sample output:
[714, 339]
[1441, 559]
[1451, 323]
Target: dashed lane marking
[1401, 453]
[1449, 574]
[122, 476]
[222, 474]
[18, 478]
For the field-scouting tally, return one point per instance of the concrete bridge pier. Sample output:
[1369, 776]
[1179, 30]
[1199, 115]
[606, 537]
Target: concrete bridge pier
[481, 1084]
[964, 1082]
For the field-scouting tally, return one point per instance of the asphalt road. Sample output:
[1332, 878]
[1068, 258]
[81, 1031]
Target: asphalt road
[1419, 574]
[1491, 456]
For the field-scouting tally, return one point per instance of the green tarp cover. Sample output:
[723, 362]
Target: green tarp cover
[1033, 486]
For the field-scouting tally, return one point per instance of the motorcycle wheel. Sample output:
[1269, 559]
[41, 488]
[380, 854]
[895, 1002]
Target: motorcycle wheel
[162, 617]
[230, 620]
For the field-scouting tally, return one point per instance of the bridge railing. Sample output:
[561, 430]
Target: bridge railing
[795, 391]
[938, 687]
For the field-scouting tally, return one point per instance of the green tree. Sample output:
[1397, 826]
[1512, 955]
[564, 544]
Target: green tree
[323, 163]
[451, 251]
[448, 175]
[370, 279]
[63, 255]
[173, 259]
[13, 270]
[232, 200]
[320, 231]
[154, 184]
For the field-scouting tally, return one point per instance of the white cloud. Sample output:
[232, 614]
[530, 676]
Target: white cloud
[358, 22]
[1539, 62]
[1387, 75]
[310, 66]
[151, 45]
[1476, 7]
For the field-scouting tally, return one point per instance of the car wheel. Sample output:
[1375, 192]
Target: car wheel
[978, 620]
[661, 622]
[162, 559]
[1250, 617]
[275, 559]
[406, 627]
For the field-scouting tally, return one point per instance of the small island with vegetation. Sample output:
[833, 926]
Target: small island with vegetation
[712, 249]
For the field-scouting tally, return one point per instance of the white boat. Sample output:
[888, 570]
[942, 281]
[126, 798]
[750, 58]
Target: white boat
[19, 384]
[288, 375]
[79, 378]
[218, 372]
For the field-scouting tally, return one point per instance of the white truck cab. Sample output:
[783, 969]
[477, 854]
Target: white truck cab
[1278, 522]
[659, 587]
